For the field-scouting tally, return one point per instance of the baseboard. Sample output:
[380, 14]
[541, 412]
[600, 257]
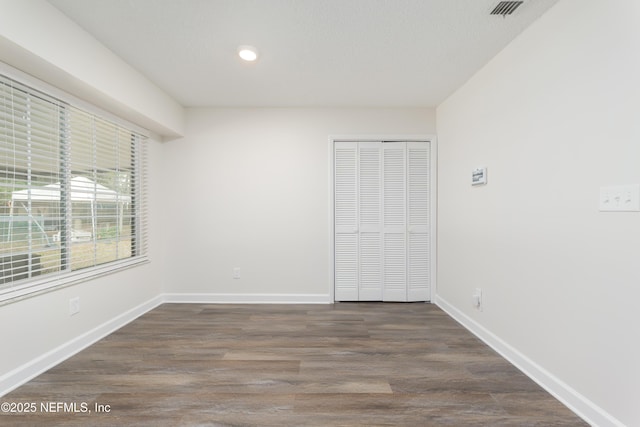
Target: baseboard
[39, 365]
[579, 404]
[247, 298]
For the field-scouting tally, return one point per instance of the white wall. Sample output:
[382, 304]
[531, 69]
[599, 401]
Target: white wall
[554, 116]
[249, 188]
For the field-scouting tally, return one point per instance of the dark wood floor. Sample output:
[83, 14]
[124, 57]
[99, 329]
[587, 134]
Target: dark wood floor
[359, 364]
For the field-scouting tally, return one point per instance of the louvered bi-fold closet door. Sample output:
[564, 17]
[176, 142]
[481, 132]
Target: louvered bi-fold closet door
[381, 221]
[370, 221]
[418, 221]
[346, 221]
[394, 214]
[358, 225]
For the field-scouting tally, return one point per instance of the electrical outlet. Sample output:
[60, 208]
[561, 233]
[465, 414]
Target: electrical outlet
[74, 306]
[236, 272]
[476, 299]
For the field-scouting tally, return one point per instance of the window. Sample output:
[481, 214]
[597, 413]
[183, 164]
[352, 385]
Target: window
[71, 193]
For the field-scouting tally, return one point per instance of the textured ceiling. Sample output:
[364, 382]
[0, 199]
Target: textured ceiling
[373, 53]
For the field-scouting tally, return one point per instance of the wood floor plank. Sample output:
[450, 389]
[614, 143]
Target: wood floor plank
[365, 364]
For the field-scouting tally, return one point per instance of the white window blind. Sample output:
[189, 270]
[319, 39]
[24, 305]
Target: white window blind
[71, 192]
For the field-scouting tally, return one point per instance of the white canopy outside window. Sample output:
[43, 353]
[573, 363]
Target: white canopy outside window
[81, 190]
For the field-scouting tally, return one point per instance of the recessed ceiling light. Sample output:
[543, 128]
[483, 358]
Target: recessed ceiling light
[248, 53]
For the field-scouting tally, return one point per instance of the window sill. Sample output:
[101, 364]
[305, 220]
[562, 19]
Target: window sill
[52, 282]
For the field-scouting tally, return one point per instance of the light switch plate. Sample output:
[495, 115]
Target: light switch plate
[620, 198]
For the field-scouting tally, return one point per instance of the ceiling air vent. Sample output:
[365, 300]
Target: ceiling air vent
[505, 8]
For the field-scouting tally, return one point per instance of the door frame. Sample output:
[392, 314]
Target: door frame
[433, 145]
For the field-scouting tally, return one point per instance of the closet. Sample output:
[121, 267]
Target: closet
[382, 219]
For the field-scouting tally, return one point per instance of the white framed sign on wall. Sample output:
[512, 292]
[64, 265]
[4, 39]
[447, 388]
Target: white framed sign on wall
[479, 176]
